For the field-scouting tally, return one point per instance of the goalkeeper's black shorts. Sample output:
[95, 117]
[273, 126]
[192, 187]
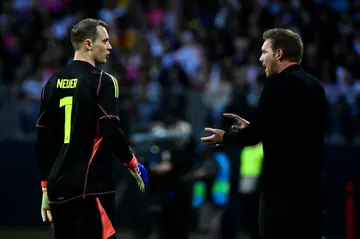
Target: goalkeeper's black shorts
[89, 218]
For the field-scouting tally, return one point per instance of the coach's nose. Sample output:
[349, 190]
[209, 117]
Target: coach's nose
[261, 59]
[109, 47]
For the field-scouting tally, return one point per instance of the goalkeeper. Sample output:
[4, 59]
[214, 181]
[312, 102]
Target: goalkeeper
[77, 134]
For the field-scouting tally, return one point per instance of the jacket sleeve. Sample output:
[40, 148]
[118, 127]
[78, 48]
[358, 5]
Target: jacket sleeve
[269, 102]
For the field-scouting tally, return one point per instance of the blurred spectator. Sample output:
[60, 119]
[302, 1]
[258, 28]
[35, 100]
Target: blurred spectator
[31, 88]
[217, 93]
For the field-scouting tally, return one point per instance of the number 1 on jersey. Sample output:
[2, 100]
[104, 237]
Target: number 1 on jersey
[67, 102]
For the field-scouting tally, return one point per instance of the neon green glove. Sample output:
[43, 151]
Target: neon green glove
[138, 171]
[136, 174]
[45, 208]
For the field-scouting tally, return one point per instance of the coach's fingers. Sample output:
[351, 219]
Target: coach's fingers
[237, 127]
[232, 116]
[208, 138]
[236, 118]
[210, 130]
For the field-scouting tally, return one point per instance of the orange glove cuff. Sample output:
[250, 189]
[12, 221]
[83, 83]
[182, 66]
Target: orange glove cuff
[44, 184]
[133, 163]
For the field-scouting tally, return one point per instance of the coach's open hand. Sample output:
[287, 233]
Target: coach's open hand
[215, 138]
[241, 121]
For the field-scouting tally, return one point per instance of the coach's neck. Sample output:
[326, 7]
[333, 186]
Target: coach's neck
[285, 64]
[81, 56]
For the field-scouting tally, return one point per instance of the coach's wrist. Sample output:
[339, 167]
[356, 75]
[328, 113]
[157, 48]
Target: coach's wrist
[225, 137]
[229, 137]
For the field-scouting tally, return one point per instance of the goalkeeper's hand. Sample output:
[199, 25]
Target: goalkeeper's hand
[45, 208]
[138, 171]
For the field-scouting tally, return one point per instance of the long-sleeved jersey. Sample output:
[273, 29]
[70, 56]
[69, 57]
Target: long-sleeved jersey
[78, 132]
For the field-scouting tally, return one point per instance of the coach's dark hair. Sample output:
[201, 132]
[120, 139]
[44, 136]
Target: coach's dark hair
[85, 29]
[287, 40]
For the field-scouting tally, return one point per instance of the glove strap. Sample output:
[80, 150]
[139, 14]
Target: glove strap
[44, 184]
[132, 164]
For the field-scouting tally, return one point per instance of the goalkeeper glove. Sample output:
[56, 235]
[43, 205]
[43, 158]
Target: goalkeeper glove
[45, 208]
[138, 171]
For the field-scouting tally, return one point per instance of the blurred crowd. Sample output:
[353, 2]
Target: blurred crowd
[185, 60]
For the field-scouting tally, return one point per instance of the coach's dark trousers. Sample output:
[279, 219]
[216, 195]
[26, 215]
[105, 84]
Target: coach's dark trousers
[290, 216]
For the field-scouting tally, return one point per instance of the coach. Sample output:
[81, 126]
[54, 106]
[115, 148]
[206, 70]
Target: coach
[290, 121]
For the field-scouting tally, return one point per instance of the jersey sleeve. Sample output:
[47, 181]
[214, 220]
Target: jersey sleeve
[108, 94]
[42, 135]
[108, 116]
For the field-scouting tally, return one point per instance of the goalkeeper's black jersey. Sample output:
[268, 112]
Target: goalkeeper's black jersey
[78, 131]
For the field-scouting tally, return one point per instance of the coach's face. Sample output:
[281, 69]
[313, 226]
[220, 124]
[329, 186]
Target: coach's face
[268, 59]
[101, 46]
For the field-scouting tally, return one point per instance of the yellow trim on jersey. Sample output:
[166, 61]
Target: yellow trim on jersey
[116, 85]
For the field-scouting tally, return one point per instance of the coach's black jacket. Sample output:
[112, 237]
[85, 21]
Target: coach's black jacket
[291, 122]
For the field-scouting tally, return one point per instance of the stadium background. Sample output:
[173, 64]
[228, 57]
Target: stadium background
[176, 60]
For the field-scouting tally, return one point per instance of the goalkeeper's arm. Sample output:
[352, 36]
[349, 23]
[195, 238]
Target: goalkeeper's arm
[108, 113]
[41, 149]
[114, 137]
[42, 140]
